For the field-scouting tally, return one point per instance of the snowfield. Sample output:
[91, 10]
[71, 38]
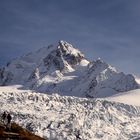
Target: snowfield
[131, 97]
[70, 118]
[137, 79]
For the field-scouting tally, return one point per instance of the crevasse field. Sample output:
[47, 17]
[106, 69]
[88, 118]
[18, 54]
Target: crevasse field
[56, 117]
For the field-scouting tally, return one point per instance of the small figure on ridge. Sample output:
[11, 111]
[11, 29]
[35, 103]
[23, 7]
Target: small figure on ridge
[9, 119]
[4, 115]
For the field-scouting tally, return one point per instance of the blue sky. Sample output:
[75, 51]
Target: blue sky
[109, 29]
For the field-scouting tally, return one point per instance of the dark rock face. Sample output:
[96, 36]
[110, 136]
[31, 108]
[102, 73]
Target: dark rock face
[5, 77]
[71, 58]
[16, 132]
[127, 81]
[35, 74]
[62, 57]
[54, 58]
[1, 73]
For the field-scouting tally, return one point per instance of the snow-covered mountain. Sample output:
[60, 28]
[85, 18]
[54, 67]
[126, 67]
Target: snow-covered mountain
[57, 117]
[63, 69]
[102, 80]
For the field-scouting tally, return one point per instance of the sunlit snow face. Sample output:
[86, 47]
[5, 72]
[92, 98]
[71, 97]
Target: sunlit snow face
[137, 80]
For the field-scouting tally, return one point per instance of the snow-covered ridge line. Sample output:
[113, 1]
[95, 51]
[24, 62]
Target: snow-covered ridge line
[61, 117]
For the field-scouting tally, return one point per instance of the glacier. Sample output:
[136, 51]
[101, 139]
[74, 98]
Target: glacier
[56, 117]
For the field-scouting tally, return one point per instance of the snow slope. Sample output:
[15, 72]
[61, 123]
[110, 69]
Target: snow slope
[131, 97]
[137, 79]
[69, 118]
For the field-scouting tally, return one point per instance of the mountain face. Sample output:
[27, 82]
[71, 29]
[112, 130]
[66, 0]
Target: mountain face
[101, 80]
[63, 69]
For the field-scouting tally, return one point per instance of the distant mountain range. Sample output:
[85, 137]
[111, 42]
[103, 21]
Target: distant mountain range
[64, 70]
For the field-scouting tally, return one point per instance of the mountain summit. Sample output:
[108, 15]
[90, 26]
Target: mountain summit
[63, 69]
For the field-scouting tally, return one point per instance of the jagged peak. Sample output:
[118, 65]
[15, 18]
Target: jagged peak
[64, 43]
[99, 67]
[55, 58]
[67, 48]
[67, 52]
[97, 64]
